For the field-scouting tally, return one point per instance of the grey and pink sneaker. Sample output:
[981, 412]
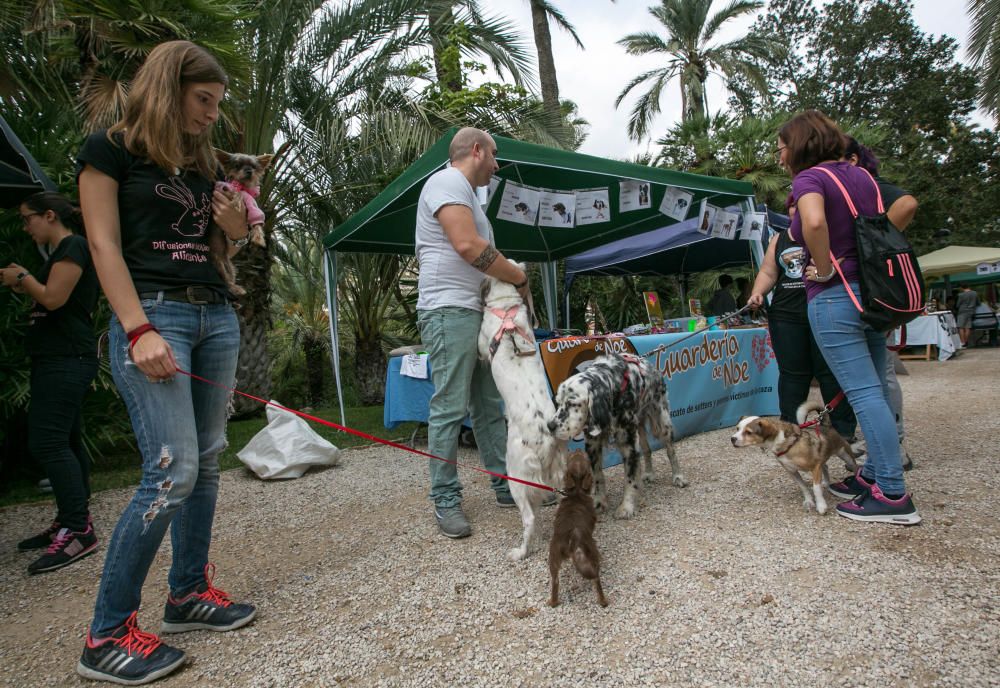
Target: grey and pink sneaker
[876, 507]
[850, 487]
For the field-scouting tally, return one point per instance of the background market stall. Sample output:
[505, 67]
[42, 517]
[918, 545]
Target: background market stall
[634, 194]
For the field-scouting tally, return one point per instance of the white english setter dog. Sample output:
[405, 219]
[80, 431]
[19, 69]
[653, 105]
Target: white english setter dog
[612, 401]
[506, 340]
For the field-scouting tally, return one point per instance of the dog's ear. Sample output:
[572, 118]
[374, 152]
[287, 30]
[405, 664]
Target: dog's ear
[264, 160]
[588, 481]
[484, 289]
[600, 412]
[223, 157]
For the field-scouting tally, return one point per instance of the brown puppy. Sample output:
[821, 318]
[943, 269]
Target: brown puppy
[798, 449]
[573, 531]
[243, 177]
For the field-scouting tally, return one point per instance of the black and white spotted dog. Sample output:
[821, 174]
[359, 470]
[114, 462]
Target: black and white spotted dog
[612, 401]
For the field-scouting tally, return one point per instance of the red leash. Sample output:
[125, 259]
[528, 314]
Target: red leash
[373, 438]
[826, 409]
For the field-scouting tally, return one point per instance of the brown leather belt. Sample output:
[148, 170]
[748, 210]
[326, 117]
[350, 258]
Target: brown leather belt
[196, 295]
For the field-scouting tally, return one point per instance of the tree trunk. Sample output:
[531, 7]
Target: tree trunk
[253, 372]
[447, 56]
[546, 63]
[369, 372]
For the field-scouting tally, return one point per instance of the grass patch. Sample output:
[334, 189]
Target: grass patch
[117, 470]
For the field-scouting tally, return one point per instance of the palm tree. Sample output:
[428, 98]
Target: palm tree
[312, 60]
[692, 57]
[722, 146]
[984, 49]
[541, 12]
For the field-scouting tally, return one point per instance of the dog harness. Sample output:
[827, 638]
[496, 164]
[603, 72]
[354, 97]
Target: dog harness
[508, 326]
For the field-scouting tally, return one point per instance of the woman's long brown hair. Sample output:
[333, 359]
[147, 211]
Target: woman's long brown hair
[152, 124]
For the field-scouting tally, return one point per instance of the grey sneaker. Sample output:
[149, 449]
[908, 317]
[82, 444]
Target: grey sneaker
[505, 500]
[452, 522]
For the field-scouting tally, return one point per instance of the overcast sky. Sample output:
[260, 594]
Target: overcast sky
[593, 77]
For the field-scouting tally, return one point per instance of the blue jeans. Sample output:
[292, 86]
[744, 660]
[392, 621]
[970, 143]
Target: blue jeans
[856, 354]
[461, 382]
[180, 429]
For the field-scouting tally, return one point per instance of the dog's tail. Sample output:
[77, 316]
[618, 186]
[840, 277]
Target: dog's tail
[587, 560]
[806, 407]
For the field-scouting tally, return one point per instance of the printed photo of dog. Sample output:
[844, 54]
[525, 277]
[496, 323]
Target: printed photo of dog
[613, 401]
[573, 532]
[243, 176]
[799, 449]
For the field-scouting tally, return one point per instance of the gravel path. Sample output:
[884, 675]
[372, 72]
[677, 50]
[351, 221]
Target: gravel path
[726, 582]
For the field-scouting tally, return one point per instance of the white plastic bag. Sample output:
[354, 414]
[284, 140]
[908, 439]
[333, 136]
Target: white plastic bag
[286, 448]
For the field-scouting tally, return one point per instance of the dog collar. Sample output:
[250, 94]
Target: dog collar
[507, 325]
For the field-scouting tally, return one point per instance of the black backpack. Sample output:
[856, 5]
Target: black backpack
[892, 288]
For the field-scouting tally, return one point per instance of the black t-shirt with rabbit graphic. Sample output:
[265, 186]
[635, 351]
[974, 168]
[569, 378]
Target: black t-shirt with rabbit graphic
[164, 217]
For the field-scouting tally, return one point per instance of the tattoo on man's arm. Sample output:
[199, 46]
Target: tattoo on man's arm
[485, 259]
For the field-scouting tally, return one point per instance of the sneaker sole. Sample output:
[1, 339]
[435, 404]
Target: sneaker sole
[90, 550]
[170, 627]
[842, 495]
[96, 675]
[506, 506]
[898, 520]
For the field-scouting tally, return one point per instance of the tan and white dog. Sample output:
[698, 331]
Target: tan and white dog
[798, 449]
[507, 342]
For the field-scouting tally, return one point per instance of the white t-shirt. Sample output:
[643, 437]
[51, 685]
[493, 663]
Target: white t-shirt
[445, 279]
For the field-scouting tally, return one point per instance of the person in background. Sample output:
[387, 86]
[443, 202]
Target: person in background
[63, 351]
[900, 207]
[808, 144]
[744, 288]
[147, 189]
[795, 350]
[965, 308]
[454, 246]
[722, 300]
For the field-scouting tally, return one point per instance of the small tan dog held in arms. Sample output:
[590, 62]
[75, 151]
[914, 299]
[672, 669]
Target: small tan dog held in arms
[573, 532]
[798, 449]
[243, 177]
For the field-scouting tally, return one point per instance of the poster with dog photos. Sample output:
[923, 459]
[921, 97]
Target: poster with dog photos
[633, 195]
[706, 212]
[753, 226]
[556, 209]
[724, 226]
[676, 203]
[592, 206]
[485, 193]
[518, 204]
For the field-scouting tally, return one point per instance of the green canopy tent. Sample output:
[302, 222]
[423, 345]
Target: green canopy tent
[387, 223]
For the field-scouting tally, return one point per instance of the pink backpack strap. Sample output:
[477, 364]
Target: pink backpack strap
[854, 213]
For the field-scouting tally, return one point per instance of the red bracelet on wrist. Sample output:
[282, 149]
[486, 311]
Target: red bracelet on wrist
[133, 335]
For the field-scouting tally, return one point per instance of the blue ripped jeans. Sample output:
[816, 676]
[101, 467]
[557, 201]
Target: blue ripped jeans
[856, 355]
[180, 429]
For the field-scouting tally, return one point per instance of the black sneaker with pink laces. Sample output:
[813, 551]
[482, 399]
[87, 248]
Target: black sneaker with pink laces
[67, 546]
[128, 656]
[206, 608]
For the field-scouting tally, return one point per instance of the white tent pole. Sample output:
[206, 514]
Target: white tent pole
[330, 279]
[550, 292]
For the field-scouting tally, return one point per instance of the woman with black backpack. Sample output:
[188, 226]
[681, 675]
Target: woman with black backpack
[829, 192]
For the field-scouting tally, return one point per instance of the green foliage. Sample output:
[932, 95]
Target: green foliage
[896, 89]
[984, 50]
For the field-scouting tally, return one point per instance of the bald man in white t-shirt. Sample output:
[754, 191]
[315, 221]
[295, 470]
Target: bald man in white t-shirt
[454, 244]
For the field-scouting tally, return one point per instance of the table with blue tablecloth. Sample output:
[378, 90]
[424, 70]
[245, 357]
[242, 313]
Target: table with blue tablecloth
[713, 378]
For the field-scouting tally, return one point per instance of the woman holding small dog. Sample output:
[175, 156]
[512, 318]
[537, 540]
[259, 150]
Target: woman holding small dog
[147, 192]
[854, 351]
[63, 351]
